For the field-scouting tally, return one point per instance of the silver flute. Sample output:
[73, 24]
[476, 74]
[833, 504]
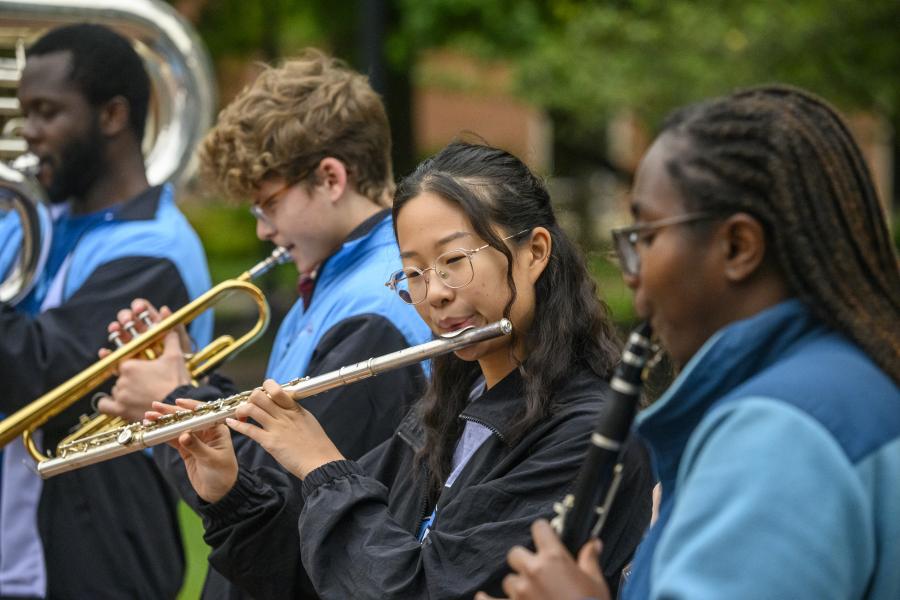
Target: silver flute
[137, 436]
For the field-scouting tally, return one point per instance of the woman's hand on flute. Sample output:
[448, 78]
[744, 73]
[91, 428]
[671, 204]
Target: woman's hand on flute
[208, 455]
[287, 431]
[550, 572]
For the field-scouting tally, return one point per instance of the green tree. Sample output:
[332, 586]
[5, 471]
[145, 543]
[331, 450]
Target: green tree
[651, 55]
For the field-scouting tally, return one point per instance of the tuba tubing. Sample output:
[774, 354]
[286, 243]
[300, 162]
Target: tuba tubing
[20, 192]
[137, 436]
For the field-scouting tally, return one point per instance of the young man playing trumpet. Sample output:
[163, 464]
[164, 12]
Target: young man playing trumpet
[108, 531]
[309, 142]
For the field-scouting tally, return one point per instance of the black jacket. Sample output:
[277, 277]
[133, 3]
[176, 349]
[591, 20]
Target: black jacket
[357, 417]
[357, 520]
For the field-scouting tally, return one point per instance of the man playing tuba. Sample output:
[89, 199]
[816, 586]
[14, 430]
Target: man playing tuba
[84, 95]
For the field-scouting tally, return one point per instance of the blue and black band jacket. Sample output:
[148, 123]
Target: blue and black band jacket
[109, 530]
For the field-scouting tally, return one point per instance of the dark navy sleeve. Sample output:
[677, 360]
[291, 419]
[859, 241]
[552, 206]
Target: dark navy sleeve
[167, 458]
[39, 353]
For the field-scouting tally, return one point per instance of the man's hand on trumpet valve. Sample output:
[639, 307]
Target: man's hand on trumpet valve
[139, 318]
[287, 431]
[141, 381]
[208, 454]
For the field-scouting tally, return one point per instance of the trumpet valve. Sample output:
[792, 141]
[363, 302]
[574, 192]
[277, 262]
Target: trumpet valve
[131, 329]
[145, 319]
[116, 338]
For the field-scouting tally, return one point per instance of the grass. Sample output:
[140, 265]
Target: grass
[195, 550]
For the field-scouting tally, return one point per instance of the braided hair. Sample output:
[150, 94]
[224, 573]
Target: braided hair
[787, 158]
[571, 329]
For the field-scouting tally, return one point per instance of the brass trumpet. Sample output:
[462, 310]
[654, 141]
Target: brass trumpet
[29, 418]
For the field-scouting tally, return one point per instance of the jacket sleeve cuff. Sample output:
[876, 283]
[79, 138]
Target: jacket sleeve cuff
[327, 473]
[247, 492]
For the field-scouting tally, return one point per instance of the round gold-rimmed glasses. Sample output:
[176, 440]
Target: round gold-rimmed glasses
[454, 268]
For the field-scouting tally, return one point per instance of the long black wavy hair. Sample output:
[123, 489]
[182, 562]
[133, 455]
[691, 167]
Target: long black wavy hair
[571, 330]
[787, 158]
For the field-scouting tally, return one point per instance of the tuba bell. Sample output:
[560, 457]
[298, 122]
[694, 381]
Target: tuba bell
[181, 109]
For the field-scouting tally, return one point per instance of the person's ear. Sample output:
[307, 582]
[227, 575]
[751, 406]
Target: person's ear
[743, 240]
[114, 116]
[332, 175]
[537, 254]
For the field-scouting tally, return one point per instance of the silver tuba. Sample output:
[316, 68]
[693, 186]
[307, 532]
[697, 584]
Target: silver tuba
[181, 109]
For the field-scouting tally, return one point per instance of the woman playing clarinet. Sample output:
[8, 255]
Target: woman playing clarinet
[761, 257]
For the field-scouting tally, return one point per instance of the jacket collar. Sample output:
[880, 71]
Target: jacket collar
[374, 231]
[497, 409]
[368, 225]
[730, 357]
[500, 407]
[142, 207]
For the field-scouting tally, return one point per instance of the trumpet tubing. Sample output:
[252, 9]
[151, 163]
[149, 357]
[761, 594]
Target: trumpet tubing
[137, 436]
[29, 418]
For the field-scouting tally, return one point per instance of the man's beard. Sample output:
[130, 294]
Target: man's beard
[81, 162]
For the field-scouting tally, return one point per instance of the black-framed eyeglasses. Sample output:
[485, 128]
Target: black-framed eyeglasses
[625, 239]
[454, 268]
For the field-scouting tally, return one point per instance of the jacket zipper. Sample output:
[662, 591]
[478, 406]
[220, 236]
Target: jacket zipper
[485, 425]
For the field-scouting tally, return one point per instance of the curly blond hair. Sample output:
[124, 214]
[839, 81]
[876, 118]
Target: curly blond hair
[293, 116]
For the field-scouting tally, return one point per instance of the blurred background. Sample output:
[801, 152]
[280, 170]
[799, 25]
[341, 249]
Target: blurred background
[575, 87]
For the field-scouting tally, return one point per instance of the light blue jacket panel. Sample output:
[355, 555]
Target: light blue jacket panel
[168, 235]
[10, 241]
[350, 283]
[778, 448]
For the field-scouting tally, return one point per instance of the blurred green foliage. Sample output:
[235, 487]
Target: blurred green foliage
[588, 59]
[583, 60]
[612, 288]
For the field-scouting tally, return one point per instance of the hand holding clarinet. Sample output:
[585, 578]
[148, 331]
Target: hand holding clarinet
[551, 571]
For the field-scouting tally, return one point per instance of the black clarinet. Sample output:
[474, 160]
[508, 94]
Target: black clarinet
[582, 513]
